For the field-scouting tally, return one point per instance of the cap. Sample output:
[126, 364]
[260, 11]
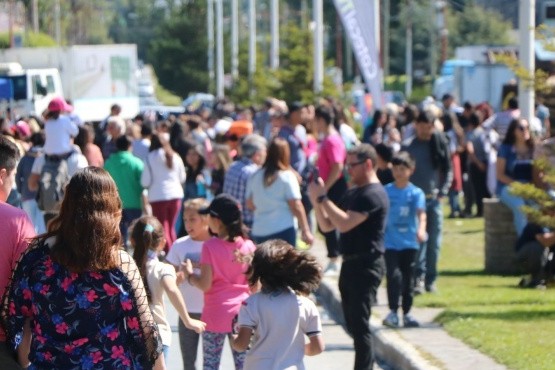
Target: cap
[224, 207]
[23, 128]
[59, 105]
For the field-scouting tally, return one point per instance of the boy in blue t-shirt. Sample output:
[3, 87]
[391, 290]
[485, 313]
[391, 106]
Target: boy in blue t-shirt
[404, 231]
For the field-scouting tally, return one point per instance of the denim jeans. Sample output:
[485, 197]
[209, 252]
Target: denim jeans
[289, 235]
[428, 254]
[359, 280]
[35, 214]
[127, 217]
[454, 201]
[514, 203]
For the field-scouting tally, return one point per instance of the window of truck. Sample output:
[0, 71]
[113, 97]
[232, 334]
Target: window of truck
[50, 88]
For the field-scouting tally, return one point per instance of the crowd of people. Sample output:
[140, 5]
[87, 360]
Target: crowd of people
[215, 208]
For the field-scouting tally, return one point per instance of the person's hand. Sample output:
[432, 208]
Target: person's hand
[180, 277]
[196, 325]
[307, 237]
[421, 236]
[187, 267]
[315, 189]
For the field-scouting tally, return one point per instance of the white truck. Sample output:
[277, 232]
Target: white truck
[93, 77]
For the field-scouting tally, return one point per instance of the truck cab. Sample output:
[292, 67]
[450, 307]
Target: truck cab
[27, 92]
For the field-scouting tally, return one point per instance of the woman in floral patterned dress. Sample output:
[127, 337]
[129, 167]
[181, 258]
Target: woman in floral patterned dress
[77, 293]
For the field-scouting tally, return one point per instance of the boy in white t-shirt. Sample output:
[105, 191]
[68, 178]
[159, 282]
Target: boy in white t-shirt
[190, 247]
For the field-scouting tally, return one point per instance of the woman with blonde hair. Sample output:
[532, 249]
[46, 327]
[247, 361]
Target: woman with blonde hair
[76, 298]
[273, 193]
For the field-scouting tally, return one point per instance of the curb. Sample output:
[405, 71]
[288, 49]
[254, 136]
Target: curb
[388, 345]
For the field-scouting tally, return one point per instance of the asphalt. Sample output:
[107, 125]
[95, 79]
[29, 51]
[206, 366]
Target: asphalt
[428, 347]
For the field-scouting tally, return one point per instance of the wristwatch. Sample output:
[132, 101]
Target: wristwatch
[321, 198]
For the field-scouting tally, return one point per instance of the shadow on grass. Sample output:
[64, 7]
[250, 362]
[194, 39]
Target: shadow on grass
[463, 273]
[513, 315]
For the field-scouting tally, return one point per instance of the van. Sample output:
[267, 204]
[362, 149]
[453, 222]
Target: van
[27, 92]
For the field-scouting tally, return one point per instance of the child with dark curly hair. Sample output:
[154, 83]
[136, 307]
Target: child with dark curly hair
[280, 315]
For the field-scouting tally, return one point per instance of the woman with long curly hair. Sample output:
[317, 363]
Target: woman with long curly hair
[76, 298]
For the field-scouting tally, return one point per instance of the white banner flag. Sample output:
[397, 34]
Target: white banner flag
[358, 19]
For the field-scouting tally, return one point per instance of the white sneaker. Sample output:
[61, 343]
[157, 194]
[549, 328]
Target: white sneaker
[332, 269]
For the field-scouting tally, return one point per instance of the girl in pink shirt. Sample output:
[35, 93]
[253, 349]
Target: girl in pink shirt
[331, 158]
[223, 263]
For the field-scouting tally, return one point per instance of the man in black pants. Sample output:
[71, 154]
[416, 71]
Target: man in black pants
[360, 219]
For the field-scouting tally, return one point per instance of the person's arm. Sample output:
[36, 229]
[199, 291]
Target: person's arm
[160, 363]
[472, 156]
[341, 220]
[500, 171]
[421, 233]
[297, 208]
[250, 204]
[329, 215]
[203, 281]
[25, 346]
[315, 346]
[33, 181]
[176, 299]
[240, 342]
[335, 173]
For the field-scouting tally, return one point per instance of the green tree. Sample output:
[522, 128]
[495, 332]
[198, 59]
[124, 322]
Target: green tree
[477, 26]
[177, 51]
[294, 78]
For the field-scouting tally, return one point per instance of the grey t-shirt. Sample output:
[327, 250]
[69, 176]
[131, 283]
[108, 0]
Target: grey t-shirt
[425, 176]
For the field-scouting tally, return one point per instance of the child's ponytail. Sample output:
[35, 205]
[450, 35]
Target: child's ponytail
[146, 235]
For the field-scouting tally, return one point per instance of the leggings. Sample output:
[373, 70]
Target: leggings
[166, 212]
[212, 346]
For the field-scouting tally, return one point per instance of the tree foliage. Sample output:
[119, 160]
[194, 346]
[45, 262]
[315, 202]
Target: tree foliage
[477, 26]
[294, 79]
[177, 51]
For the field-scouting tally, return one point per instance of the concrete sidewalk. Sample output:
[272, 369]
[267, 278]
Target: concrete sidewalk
[425, 348]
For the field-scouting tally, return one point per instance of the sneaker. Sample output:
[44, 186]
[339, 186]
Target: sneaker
[332, 269]
[432, 288]
[419, 287]
[392, 320]
[410, 322]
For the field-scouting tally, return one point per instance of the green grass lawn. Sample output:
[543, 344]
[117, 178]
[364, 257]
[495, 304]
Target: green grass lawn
[515, 326]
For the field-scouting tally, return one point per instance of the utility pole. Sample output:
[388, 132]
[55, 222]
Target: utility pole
[433, 40]
[252, 43]
[219, 49]
[385, 39]
[57, 23]
[274, 29]
[318, 9]
[234, 40]
[338, 43]
[408, 51]
[210, 23]
[526, 29]
[35, 10]
[443, 32]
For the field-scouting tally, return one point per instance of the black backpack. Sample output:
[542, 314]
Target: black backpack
[53, 180]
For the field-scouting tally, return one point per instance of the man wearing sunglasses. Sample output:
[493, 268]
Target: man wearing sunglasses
[360, 218]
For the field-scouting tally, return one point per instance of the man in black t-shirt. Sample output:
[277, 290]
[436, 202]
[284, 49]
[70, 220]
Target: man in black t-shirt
[360, 219]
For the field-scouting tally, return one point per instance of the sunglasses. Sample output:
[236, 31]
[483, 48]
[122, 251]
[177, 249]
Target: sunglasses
[523, 128]
[348, 166]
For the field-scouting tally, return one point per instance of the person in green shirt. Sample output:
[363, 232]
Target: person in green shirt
[126, 170]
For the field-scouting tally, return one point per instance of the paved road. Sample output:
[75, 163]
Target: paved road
[339, 353]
